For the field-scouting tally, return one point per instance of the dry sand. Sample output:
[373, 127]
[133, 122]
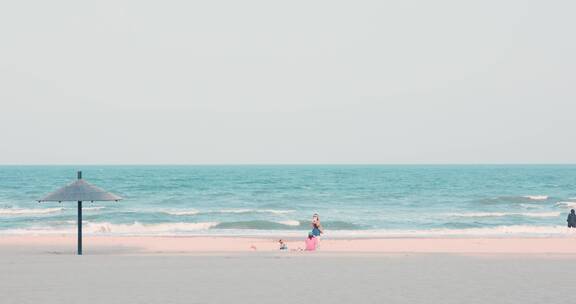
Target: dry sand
[226, 270]
[191, 245]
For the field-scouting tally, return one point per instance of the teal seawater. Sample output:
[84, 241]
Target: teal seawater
[353, 201]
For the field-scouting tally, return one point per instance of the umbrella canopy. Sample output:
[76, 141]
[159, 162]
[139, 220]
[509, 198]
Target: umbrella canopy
[80, 190]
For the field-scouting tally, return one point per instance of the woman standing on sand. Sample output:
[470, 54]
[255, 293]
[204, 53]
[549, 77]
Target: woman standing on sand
[317, 229]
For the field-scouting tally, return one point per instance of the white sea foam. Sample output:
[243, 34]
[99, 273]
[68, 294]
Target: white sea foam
[139, 228]
[498, 231]
[204, 229]
[91, 208]
[135, 228]
[223, 211]
[276, 211]
[537, 197]
[568, 205]
[290, 223]
[273, 211]
[501, 214]
[542, 214]
[73, 222]
[17, 211]
[181, 212]
[478, 214]
[530, 206]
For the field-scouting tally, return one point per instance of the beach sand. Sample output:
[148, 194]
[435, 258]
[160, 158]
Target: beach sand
[228, 270]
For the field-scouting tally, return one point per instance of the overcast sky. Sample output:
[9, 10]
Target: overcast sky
[202, 82]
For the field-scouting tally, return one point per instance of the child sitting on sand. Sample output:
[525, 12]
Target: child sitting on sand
[283, 245]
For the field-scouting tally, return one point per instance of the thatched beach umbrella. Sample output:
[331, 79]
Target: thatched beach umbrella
[80, 191]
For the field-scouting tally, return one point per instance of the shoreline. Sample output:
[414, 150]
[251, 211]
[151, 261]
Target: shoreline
[183, 245]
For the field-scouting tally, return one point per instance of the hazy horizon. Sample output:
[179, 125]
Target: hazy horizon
[257, 82]
[80, 165]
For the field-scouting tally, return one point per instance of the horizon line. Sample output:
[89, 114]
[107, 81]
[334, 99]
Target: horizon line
[289, 164]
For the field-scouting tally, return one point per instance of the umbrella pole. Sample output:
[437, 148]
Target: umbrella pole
[79, 227]
[79, 221]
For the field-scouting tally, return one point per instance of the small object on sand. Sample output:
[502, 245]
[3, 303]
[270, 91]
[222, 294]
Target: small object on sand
[253, 247]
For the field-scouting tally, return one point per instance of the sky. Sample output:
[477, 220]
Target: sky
[287, 82]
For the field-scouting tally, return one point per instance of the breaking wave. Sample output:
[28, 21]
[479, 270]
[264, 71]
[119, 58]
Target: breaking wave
[501, 214]
[536, 197]
[530, 206]
[497, 231]
[523, 200]
[90, 208]
[273, 211]
[185, 212]
[181, 212]
[566, 204]
[284, 225]
[17, 211]
[258, 225]
[139, 228]
[290, 223]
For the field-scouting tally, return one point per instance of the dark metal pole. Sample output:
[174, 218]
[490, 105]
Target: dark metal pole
[79, 221]
[79, 227]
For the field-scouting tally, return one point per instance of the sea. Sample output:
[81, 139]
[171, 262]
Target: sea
[353, 201]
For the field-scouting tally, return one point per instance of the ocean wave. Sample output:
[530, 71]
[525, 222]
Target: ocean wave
[536, 197]
[566, 204]
[136, 228]
[193, 229]
[524, 200]
[284, 225]
[257, 225]
[500, 230]
[478, 214]
[496, 231]
[181, 212]
[73, 222]
[273, 211]
[184, 212]
[208, 228]
[37, 211]
[530, 206]
[290, 223]
[502, 214]
[90, 208]
[139, 228]
[542, 214]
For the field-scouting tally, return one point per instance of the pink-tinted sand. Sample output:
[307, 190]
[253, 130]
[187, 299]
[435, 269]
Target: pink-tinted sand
[182, 245]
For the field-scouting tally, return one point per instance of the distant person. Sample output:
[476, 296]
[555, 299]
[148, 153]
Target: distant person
[311, 242]
[571, 219]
